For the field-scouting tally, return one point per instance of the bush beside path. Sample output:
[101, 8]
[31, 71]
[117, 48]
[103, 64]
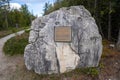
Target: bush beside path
[7, 64]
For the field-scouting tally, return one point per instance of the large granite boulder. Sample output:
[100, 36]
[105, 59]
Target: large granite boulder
[46, 56]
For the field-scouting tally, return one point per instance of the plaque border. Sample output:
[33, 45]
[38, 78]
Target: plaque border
[63, 41]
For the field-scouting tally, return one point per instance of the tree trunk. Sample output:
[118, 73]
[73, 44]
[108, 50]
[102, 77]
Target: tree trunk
[95, 6]
[109, 22]
[118, 42]
[6, 14]
[6, 20]
[96, 13]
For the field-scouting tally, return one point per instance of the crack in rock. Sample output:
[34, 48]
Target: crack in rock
[46, 56]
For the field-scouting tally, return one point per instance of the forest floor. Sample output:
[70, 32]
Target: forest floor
[13, 67]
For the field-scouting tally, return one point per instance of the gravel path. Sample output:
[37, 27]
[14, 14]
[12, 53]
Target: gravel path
[7, 64]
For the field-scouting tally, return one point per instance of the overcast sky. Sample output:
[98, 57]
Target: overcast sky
[34, 6]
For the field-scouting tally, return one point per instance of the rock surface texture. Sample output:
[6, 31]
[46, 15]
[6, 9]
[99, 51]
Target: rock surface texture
[45, 56]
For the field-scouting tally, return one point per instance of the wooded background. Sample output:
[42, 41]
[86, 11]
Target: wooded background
[10, 18]
[105, 12]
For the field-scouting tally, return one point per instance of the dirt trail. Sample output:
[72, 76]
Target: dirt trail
[7, 64]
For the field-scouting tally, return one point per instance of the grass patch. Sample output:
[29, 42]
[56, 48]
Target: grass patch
[107, 52]
[10, 31]
[77, 74]
[105, 42]
[16, 44]
[91, 72]
[5, 33]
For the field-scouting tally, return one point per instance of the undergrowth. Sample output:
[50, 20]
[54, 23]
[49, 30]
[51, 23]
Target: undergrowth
[16, 44]
[10, 31]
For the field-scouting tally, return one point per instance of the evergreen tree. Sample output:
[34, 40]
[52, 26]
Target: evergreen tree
[105, 12]
[46, 8]
[14, 17]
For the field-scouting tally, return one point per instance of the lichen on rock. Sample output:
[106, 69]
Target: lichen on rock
[46, 56]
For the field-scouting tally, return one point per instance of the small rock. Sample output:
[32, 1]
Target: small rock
[111, 46]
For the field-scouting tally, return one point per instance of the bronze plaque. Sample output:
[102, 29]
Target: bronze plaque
[62, 34]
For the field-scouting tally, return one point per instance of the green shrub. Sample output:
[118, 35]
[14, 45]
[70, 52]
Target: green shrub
[90, 71]
[27, 30]
[101, 65]
[16, 44]
[14, 30]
